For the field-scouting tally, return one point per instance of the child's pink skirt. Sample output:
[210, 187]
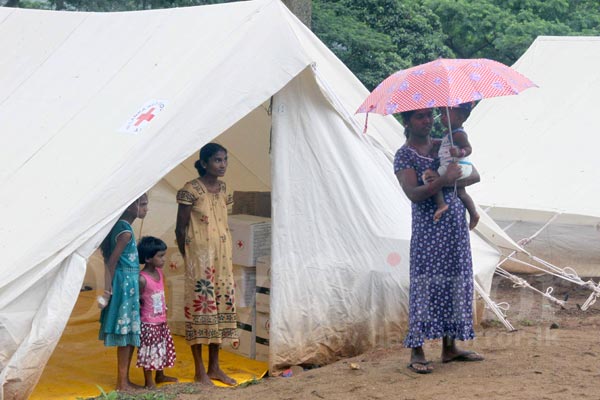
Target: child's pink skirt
[156, 351]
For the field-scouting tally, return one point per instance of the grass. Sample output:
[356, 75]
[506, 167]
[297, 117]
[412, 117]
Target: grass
[526, 322]
[166, 392]
[158, 394]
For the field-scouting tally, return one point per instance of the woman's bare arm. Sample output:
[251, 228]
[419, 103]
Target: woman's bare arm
[417, 193]
[184, 213]
[113, 260]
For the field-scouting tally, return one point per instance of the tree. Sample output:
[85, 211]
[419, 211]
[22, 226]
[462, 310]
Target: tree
[375, 38]
[503, 29]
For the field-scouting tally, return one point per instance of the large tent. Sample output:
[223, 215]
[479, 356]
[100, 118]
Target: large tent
[98, 108]
[537, 154]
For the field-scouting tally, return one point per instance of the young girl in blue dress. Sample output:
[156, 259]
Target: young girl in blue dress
[120, 318]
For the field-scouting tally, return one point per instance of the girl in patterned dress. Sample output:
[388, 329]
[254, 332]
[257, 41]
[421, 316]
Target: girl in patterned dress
[441, 272]
[120, 318]
[204, 241]
[156, 351]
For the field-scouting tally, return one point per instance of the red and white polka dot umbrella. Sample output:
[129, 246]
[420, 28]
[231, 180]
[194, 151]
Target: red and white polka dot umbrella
[444, 83]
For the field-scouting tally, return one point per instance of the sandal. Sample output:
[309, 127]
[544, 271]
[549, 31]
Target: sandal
[424, 367]
[468, 356]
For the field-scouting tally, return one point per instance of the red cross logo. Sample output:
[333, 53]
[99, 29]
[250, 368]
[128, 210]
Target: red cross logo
[147, 116]
[240, 244]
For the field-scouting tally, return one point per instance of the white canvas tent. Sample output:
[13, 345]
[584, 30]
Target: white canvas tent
[69, 84]
[537, 154]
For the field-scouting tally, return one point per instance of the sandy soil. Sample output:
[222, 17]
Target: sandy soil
[554, 354]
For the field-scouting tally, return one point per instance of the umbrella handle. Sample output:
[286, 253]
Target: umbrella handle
[449, 126]
[451, 142]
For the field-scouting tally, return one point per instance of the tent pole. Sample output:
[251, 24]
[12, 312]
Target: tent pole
[498, 309]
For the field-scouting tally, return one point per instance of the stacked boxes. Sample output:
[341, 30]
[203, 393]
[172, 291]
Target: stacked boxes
[263, 284]
[251, 238]
[263, 307]
[245, 347]
[245, 285]
[263, 325]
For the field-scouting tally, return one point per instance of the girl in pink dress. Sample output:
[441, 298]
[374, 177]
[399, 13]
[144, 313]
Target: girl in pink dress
[156, 351]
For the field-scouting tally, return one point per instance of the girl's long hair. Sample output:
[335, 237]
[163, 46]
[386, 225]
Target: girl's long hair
[105, 247]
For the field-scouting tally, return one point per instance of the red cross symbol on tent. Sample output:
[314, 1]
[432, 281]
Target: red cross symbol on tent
[147, 116]
[240, 244]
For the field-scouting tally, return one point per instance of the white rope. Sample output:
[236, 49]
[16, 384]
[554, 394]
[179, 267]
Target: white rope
[590, 301]
[498, 309]
[520, 282]
[568, 274]
[506, 259]
[526, 241]
[507, 227]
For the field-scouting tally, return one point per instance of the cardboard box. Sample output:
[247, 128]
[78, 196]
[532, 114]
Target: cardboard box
[175, 304]
[263, 284]
[263, 271]
[251, 238]
[246, 344]
[263, 299]
[245, 285]
[252, 203]
[263, 326]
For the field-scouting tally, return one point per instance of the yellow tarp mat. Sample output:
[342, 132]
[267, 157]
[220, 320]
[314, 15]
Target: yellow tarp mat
[80, 363]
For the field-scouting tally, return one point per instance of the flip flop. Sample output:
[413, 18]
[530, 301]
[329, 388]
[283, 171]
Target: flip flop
[412, 367]
[469, 356]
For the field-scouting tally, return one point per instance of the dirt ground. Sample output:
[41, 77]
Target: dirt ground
[554, 354]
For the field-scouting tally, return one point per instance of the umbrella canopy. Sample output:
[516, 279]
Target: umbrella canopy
[444, 83]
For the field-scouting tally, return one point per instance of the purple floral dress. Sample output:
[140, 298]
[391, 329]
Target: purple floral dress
[441, 270]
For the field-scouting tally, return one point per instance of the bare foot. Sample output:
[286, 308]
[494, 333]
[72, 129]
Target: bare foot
[219, 375]
[203, 380]
[150, 386]
[461, 355]
[439, 212]
[161, 378]
[473, 220]
[128, 387]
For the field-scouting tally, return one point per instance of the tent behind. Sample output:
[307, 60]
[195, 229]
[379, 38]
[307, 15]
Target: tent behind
[71, 81]
[537, 153]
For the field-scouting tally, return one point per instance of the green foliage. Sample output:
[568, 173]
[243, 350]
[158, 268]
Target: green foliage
[375, 38]
[503, 29]
[370, 54]
[251, 382]
[114, 395]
